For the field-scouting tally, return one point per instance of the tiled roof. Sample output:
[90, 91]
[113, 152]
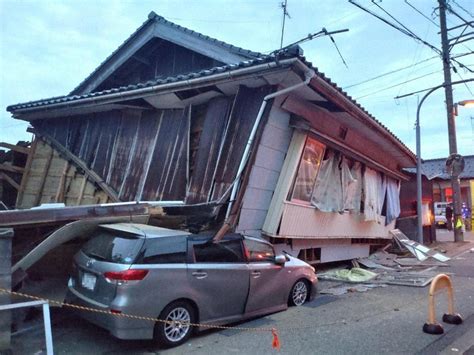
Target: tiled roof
[153, 17]
[156, 82]
[203, 73]
[436, 169]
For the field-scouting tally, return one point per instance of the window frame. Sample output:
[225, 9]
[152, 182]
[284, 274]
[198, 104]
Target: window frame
[323, 147]
[247, 251]
[192, 253]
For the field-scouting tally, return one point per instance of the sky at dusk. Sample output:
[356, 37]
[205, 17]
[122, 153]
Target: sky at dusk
[48, 47]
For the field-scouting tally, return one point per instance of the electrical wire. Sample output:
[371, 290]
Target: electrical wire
[450, 9]
[462, 8]
[422, 14]
[395, 85]
[389, 73]
[407, 33]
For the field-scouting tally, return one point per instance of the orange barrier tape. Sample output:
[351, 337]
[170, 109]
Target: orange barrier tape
[275, 340]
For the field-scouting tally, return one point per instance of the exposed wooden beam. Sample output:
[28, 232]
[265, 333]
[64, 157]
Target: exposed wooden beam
[142, 60]
[11, 168]
[62, 182]
[9, 180]
[43, 178]
[80, 164]
[24, 178]
[16, 148]
[81, 190]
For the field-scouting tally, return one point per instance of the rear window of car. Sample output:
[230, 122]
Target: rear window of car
[116, 247]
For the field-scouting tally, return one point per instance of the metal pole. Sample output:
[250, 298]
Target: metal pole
[458, 234]
[418, 158]
[47, 329]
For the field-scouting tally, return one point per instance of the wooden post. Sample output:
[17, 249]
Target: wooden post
[81, 191]
[24, 178]
[6, 235]
[43, 178]
[9, 180]
[62, 182]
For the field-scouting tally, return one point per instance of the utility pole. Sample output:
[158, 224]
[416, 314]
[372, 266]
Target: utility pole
[458, 234]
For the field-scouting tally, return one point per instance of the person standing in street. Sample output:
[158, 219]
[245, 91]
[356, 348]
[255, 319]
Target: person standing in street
[449, 217]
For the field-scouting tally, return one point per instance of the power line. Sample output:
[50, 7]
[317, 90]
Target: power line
[404, 30]
[421, 13]
[390, 72]
[450, 9]
[462, 8]
[402, 83]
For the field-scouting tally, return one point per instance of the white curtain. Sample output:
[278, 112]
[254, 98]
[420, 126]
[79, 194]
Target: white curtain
[353, 190]
[393, 200]
[327, 191]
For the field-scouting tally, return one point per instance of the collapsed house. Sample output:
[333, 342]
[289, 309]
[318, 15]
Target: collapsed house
[213, 133]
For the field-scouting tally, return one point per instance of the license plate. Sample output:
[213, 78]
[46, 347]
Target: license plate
[88, 281]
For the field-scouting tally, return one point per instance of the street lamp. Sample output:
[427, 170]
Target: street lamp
[455, 182]
[466, 103]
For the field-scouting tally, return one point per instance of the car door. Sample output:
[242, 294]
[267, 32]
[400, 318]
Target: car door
[219, 278]
[267, 289]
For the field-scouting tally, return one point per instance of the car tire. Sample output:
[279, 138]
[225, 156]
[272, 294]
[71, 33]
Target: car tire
[299, 293]
[169, 335]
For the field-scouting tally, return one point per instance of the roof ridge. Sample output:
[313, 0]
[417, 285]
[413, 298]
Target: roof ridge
[154, 17]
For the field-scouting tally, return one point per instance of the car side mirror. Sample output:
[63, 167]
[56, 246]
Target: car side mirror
[280, 260]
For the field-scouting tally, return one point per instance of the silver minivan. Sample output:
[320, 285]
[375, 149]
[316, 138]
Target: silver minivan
[181, 278]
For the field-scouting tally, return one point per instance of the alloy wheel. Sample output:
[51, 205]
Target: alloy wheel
[299, 293]
[177, 324]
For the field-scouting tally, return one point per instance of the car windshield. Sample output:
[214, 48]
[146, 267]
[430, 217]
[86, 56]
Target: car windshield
[112, 246]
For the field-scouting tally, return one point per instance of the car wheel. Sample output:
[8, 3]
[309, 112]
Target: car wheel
[176, 330]
[299, 293]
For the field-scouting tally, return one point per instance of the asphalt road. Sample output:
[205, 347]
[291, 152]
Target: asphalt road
[382, 320]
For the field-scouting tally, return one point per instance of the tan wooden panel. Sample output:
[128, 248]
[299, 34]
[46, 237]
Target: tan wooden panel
[284, 183]
[299, 221]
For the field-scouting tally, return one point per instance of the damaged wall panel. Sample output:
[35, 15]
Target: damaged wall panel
[244, 112]
[209, 146]
[142, 154]
[51, 178]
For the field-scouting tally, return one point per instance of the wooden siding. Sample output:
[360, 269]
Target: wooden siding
[52, 178]
[121, 145]
[209, 146]
[156, 59]
[299, 221]
[244, 111]
[135, 154]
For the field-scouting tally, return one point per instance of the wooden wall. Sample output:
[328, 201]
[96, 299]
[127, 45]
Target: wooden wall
[51, 178]
[187, 155]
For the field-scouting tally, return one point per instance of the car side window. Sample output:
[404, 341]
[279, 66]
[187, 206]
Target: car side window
[258, 251]
[169, 250]
[226, 251]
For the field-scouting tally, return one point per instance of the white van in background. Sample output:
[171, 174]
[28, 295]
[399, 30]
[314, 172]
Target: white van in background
[440, 213]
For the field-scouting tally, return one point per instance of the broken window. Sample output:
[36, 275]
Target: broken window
[307, 170]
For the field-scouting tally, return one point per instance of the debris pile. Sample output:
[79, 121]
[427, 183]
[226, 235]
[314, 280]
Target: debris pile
[388, 268]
